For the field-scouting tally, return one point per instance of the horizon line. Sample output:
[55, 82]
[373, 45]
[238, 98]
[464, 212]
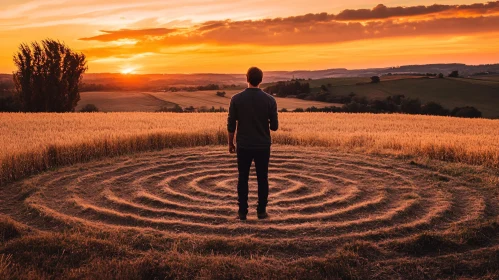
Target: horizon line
[287, 71]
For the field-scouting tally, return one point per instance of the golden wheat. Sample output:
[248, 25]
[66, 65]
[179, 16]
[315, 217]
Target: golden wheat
[35, 142]
[332, 209]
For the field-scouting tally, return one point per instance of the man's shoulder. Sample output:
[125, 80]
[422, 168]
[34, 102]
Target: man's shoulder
[237, 95]
[240, 95]
[269, 96]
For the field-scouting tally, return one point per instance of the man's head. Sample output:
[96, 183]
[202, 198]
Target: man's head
[254, 76]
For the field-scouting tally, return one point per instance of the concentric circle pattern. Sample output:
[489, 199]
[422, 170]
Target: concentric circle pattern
[314, 195]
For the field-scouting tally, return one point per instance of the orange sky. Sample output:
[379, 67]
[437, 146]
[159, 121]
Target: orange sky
[227, 36]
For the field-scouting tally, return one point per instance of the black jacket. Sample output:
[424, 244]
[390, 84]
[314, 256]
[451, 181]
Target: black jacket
[256, 114]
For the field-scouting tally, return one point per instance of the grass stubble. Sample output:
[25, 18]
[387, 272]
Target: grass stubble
[413, 197]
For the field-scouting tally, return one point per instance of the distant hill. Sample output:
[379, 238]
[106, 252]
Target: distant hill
[110, 81]
[481, 92]
[476, 86]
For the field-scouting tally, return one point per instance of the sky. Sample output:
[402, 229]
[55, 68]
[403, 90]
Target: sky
[228, 36]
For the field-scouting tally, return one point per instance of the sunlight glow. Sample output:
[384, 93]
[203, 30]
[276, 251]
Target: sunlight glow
[128, 70]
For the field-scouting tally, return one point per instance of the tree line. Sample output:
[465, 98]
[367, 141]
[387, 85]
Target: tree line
[200, 88]
[191, 109]
[396, 104]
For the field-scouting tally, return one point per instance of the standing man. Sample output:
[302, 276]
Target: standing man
[254, 113]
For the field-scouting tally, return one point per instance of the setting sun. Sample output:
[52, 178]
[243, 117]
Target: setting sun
[127, 71]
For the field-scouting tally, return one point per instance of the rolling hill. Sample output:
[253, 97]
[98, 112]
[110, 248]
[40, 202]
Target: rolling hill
[481, 92]
[136, 101]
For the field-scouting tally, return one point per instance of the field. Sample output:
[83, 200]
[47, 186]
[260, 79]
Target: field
[122, 101]
[480, 92]
[353, 196]
[137, 101]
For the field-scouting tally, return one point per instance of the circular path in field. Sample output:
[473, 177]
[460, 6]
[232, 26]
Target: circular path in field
[316, 196]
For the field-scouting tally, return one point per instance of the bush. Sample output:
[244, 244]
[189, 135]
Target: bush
[221, 93]
[9, 104]
[354, 107]
[440, 76]
[454, 74]
[175, 109]
[466, 112]
[299, 110]
[434, 108]
[284, 110]
[89, 108]
[204, 109]
[375, 79]
[283, 89]
[410, 106]
[209, 87]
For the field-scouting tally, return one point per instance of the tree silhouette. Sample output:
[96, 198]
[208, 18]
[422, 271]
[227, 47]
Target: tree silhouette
[375, 79]
[466, 112]
[454, 74]
[434, 108]
[48, 76]
[89, 108]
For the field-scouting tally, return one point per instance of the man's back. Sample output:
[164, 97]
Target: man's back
[253, 113]
[254, 110]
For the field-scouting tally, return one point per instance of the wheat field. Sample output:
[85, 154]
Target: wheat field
[353, 196]
[35, 142]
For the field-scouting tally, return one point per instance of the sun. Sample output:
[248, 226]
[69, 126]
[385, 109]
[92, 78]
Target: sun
[127, 71]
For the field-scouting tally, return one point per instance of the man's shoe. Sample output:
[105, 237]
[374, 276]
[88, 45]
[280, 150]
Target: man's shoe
[241, 216]
[262, 215]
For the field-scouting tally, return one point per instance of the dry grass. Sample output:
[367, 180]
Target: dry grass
[340, 210]
[37, 142]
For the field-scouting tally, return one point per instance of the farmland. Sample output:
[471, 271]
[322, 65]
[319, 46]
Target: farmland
[122, 101]
[133, 101]
[152, 195]
[481, 92]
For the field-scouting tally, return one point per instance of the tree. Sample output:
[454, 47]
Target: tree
[440, 76]
[48, 76]
[454, 74]
[410, 106]
[89, 108]
[466, 112]
[221, 93]
[9, 104]
[375, 79]
[434, 108]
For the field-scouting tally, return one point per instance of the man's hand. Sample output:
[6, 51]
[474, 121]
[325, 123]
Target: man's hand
[232, 148]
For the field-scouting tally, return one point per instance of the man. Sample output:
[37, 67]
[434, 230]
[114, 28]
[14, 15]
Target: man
[254, 113]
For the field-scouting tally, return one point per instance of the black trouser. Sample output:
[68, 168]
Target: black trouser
[244, 159]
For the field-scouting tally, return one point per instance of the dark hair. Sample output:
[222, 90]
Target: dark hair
[254, 76]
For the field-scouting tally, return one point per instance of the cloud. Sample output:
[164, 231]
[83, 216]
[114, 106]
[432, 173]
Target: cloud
[322, 28]
[383, 12]
[109, 36]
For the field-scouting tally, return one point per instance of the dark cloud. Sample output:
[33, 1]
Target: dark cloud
[383, 12]
[322, 28]
[285, 33]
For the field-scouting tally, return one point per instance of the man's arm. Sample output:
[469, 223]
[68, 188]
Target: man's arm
[231, 126]
[274, 122]
[232, 147]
